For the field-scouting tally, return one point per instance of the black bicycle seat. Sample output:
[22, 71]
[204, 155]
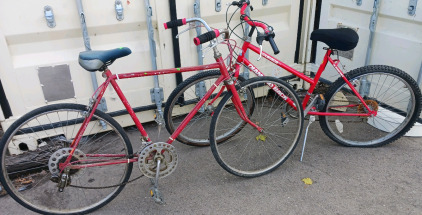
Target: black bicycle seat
[95, 60]
[343, 39]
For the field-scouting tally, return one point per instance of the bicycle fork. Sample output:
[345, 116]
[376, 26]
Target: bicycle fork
[239, 107]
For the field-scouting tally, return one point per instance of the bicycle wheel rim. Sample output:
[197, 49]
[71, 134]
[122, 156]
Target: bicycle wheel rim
[42, 194]
[250, 153]
[392, 117]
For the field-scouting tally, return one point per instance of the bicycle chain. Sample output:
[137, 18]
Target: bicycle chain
[105, 187]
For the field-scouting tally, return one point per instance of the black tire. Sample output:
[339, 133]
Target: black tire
[251, 153]
[183, 99]
[394, 117]
[49, 130]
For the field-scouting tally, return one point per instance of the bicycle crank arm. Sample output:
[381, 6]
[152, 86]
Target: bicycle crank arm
[155, 193]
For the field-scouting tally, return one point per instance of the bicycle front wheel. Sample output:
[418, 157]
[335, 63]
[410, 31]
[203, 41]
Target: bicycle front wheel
[34, 146]
[391, 92]
[182, 101]
[252, 153]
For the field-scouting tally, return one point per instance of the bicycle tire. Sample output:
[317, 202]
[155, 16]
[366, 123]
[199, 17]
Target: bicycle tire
[251, 153]
[185, 97]
[381, 86]
[52, 128]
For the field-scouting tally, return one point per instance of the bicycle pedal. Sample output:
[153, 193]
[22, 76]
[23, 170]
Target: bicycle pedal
[284, 119]
[320, 102]
[157, 196]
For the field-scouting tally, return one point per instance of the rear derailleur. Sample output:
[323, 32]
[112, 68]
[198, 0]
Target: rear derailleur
[63, 180]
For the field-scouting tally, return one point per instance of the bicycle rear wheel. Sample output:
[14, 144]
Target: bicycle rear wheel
[182, 101]
[34, 145]
[389, 90]
[252, 153]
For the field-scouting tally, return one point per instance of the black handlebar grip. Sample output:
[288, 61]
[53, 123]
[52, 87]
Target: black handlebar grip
[175, 23]
[203, 38]
[273, 45]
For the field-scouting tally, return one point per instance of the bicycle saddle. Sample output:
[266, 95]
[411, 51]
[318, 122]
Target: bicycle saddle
[343, 39]
[95, 60]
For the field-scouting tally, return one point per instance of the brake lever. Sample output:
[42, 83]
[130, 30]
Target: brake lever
[192, 25]
[211, 45]
[259, 39]
[260, 53]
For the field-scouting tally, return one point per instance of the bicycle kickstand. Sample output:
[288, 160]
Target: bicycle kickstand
[155, 193]
[311, 120]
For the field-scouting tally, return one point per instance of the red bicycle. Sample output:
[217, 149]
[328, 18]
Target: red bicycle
[78, 158]
[366, 107]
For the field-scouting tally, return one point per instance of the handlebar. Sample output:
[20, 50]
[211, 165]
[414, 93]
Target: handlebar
[269, 34]
[175, 23]
[212, 34]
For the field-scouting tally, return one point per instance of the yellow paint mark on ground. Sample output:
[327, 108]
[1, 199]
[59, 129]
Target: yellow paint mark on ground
[261, 137]
[307, 181]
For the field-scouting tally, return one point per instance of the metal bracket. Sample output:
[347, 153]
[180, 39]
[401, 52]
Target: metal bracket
[218, 5]
[119, 10]
[157, 95]
[200, 91]
[245, 73]
[412, 7]
[153, 50]
[264, 2]
[365, 87]
[358, 2]
[372, 26]
[85, 35]
[49, 16]
[200, 88]
[197, 11]
[103, 105]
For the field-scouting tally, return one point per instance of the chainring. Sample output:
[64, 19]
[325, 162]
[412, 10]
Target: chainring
[60, 156]
[147, 161]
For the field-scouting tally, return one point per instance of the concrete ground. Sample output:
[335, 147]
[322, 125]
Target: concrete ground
[385, 180]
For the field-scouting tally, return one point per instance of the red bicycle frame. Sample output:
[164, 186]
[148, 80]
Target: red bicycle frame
[111, 79]
[313, 82]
